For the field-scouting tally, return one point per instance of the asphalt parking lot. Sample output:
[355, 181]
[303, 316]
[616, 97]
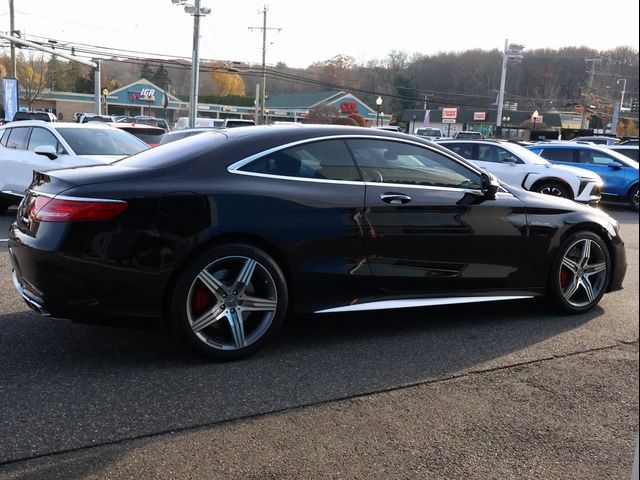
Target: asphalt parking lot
[507, 390]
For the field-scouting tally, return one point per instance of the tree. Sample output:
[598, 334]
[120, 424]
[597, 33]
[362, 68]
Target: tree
[161, 77]
[146, 72]
[33, 76]
[322, 114]
[228, 83]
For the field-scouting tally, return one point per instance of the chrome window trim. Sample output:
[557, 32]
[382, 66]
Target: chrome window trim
[234, 167]
[77, 199]
[419, 302]
[241, 163]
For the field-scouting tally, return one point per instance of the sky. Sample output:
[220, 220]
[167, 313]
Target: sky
[301, 32]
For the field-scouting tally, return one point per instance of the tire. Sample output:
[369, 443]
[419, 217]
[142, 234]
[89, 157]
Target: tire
[229, 302]
[554, 189]
[580, 273]
[633, 198]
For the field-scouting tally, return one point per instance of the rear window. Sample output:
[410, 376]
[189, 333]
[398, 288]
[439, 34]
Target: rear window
[32, 116]
[99, 141]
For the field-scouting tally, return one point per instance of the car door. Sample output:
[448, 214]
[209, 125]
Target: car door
[314, 193]
[429, 228]
[612, 170]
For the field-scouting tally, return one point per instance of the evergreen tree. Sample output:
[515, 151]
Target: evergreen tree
[146, 71]
[161, 77]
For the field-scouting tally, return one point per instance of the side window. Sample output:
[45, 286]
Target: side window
[328, 159]
[386, 161]
[489, 153]
[592, 157]
[558, 155]
[18, 138]
[504, 154]
[41, 136]
[5, 136]
[463, 149]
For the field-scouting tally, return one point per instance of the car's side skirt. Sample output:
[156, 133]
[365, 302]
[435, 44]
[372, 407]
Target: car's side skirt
[419, 302]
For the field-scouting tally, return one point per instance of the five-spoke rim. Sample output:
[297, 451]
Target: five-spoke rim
[232, 302]
[583, 273]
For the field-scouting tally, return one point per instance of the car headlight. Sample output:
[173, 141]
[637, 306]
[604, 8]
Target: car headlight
[591, 179]
[613, 227]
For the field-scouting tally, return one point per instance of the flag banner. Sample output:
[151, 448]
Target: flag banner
[10, 92]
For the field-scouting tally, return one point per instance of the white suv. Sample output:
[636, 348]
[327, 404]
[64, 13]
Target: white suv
[517, 166]
[31, 145]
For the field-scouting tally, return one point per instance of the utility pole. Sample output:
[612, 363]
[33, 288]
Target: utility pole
[264, 29]
[587, 99]
[14, 66]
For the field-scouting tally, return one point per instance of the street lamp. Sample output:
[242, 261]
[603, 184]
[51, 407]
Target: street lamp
[196, 11]
[378, 105]
[534, 117]
[512, 52]
[624, 86]
[105, 92]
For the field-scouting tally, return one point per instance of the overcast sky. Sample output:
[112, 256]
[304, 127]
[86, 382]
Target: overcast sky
[316, 31]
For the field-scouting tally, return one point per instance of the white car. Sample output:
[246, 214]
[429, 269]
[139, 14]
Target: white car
[517, 166]
[31, 145]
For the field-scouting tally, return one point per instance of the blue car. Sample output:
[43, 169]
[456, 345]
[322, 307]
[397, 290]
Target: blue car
[619, 173]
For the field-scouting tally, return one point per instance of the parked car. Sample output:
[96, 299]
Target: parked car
[515, 165]
[630, 151]
[597, 139]
[630, 141]
[153, 121]
[468, 134]
[174, 135]
[390, 128]
[43, 116]
[222, 234]
[36, 145]
[92, 117]
[149, 134]
[428, 133]
[619, 173]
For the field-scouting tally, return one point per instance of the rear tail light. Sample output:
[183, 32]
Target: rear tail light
[66, 209]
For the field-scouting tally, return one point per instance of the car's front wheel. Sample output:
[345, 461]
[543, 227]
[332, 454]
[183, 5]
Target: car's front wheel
[633, 198]
[555, 189]
[229, 302]
[580, 273]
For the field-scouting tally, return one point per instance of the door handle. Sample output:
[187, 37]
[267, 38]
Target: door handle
[395, 198]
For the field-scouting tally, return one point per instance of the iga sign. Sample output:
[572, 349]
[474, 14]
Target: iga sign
[146, 95]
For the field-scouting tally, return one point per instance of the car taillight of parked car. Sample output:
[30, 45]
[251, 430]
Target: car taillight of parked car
[46, 209]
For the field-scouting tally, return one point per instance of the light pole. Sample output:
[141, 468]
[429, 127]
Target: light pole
[105, 92]
[511, 52]
[534, 117]
[624, 86]
[378, 105]
[196, 11]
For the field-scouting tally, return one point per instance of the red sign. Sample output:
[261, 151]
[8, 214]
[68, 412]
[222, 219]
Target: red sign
[348, 107]
[480, 116]
[449, 113]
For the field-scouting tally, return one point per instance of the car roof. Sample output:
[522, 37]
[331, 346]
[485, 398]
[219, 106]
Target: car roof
[56, 125]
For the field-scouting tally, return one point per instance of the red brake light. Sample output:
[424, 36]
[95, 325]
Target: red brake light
[47, 209]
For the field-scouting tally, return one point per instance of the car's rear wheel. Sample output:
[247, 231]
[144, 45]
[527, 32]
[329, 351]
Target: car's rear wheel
[580, 273]
[633, 198]
[555, 189]
[230, 301]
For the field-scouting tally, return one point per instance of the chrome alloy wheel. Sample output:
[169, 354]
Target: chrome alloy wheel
[231, 303]
[583, 273]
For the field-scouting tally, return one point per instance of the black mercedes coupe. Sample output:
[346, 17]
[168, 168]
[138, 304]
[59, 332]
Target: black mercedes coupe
[224, 234]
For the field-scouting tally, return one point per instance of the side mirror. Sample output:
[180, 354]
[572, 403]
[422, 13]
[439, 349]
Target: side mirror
[615, 165]
[489, 185]
[48, 151]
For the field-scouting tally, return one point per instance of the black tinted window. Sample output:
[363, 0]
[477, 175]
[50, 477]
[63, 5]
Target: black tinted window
[384, 161]
[463, 149]
[329, 160]
[558, 154]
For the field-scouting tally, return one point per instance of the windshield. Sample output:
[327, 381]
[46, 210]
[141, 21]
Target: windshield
[101, 141]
